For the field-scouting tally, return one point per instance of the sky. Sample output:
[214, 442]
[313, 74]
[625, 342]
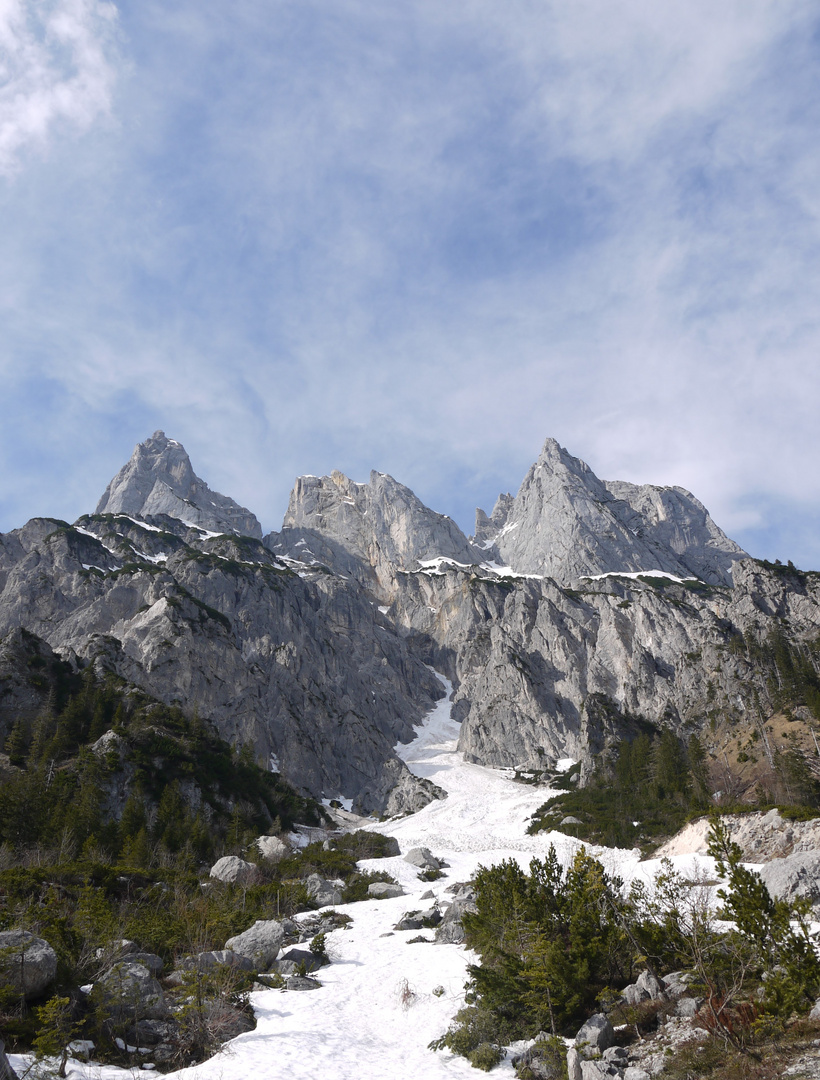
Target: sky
[420, 238]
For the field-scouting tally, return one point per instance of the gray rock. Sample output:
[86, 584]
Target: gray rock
[290, 962]
[422, 857]
[687, 1007]
[129, 990]
[634, 1072]
[384, 890]
[676, 983]
[450, 930]
[647, 981]
[397, 791]
[154, 963]
[323, 893]
[233, 870]
[569, 820]
[574, 1064]
[616, 1055]
[815, 1011]
[381, 526]
[634, 994]
[214, 958]
[159, 479]
[260, 944]
[272, 849]
[592, 1070]
[300, 982]
[595, 1036]
[796, 875]
[28, 964]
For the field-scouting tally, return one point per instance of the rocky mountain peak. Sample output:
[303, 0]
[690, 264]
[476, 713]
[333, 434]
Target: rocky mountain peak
[566, 523]
[382, 523]
[159, 479]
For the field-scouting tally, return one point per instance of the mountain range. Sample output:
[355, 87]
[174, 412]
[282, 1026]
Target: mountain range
[579, 608]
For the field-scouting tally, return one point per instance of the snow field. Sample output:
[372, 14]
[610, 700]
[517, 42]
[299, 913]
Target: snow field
[376, 1011]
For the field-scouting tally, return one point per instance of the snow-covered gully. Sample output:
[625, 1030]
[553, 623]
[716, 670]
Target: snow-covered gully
[381, 1002]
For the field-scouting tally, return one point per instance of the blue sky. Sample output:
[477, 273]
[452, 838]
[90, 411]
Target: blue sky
[419, 238]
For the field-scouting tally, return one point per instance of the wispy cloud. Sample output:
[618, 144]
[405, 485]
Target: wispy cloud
[421, 238]
[56, 71]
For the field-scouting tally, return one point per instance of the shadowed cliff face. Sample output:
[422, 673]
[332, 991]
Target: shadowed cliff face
[314, 645]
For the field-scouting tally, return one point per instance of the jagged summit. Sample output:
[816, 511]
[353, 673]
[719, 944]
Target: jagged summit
[159, 479]
[381, 523]
[565, 523]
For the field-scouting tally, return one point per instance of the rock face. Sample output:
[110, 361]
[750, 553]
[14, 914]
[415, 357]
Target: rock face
[380, 525]
[28, 964]
[159, 479]
[760, 836]
[317, 646]
[565, 523]
[794, 876]
[300, 665]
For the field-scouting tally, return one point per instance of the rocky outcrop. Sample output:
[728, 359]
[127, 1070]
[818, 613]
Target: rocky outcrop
[760, 836]
[381, 526]
[794, 876]
[28, 964]
[565, 523]
[159, 479]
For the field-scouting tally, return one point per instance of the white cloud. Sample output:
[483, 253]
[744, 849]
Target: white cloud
[56, 71]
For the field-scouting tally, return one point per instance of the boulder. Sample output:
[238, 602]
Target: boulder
[323, 893]
[450, 931]
[290, 962]
[688, 1007]
[595, 1036]
[301, 982]
[272, 849]
[233, 870]
[129, 990]
[634, 994]
[423, 858]
[28, 964]
[573, 1064]
[384, 890]
[208, 961]
[593, 1070]
[676, 983]
[653, 987]
[634, 1072]
[260, 944]
[153, 962]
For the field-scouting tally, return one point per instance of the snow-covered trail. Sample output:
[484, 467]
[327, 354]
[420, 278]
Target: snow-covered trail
[376, 1011]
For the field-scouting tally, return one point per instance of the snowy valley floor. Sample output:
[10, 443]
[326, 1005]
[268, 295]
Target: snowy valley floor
[376, 1011]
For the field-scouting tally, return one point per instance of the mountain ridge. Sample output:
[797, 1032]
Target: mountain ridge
[315, 644]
